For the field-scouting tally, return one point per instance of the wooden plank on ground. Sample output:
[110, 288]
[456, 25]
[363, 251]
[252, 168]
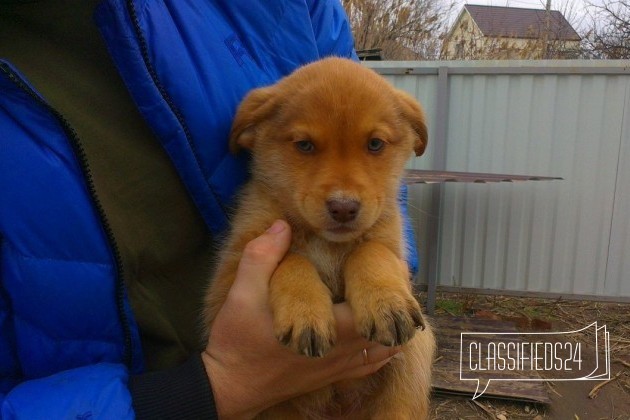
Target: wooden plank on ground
[446, 370]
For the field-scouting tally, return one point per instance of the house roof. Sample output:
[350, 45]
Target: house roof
[513, 22]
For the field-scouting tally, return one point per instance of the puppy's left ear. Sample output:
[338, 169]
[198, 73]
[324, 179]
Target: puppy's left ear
[412, 113]
[258, 105]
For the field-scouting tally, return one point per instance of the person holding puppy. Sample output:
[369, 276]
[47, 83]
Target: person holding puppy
[116, 187]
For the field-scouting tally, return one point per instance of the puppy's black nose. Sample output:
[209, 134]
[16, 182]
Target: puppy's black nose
[343, 211]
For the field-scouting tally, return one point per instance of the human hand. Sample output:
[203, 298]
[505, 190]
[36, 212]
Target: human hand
[248, 368]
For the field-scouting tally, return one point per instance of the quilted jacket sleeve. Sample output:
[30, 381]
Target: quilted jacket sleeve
[331, 29]
[96, 391]
[90, 392]
[61, 338]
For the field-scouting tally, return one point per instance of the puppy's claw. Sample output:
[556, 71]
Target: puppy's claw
[391, 322]
[312, 345]
[307, 341]
[400, 332]
[372, 334]
[419, 321]
[286, 337]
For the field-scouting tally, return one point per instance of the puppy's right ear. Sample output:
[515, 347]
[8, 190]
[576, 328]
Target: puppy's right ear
[258, 105]
[414, 114]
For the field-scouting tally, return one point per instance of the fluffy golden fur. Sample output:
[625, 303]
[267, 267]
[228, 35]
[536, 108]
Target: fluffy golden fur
[329, 145]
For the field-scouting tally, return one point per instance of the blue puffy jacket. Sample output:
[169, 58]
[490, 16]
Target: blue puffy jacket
[68, 339]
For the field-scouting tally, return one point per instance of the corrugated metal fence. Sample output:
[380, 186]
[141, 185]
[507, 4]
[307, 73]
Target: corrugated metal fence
[567, 118]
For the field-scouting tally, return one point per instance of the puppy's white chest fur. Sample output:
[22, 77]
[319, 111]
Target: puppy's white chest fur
[329, 259]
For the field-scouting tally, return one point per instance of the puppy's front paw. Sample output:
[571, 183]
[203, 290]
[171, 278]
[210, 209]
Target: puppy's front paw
[391, 318]
[303, 318]
[306, 329]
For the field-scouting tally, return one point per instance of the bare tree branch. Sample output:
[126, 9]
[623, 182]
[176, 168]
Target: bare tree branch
[402, 29]
[609, 36]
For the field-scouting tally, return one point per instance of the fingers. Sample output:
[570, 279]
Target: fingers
[345, 321]
[260, 258]
[366, 357]
[375, 354]
[370, 360]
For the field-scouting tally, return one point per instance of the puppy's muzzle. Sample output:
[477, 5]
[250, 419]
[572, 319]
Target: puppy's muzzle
[343, 210]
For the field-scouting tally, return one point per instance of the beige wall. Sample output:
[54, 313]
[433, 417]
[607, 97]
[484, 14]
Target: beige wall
[466, 41]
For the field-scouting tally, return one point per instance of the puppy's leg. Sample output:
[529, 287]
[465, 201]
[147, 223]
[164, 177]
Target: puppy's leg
[378, 290]
[406, 385]
[302, 307]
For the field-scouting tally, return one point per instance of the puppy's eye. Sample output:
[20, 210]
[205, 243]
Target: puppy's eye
[375, 145]
[305, 146]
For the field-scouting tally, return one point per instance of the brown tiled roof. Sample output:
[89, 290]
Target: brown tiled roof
[512, 22]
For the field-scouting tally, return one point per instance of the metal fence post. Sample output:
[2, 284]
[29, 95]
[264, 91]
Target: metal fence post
[439, 163]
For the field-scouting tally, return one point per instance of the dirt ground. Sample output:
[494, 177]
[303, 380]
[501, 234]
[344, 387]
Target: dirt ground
[574, 400]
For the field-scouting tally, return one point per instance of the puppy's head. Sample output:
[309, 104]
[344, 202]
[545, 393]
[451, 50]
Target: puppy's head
[330, 143]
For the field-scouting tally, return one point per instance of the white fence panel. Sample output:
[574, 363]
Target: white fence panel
[618, 273]
[530, 118]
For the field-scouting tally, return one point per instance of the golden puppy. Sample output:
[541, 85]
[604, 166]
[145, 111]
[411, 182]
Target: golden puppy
[329, 145]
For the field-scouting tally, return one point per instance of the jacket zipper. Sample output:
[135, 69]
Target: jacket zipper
[144, 52]
[83, 163]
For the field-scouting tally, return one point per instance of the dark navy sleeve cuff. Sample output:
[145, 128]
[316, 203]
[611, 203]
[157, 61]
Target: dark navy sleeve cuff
[180, 393]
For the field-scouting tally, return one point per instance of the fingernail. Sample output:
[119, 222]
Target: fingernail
[277, 227]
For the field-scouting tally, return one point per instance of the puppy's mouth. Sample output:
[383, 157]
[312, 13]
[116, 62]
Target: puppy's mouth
[341, 229]
[341, 232]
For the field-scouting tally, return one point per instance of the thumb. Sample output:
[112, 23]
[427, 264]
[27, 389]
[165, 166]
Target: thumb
[260, 258]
